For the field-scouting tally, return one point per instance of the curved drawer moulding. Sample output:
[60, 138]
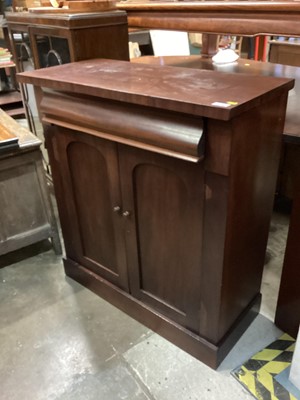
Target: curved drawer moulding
[170, 131]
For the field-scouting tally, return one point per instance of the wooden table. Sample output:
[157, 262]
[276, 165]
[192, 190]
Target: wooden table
[246, 18]
[232, 17]
[168, 229]
[26, 213]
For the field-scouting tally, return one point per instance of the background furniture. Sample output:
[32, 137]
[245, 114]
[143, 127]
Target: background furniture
[170, 232]
[59, 38]
[10, 97]
[26, 212]
[285, 51]
[46, 39]
[216, 17]
[287, 312]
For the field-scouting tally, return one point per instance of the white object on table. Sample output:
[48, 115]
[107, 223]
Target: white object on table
[170, 43]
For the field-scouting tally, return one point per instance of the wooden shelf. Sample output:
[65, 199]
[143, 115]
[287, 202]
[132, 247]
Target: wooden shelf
[9, 97]
[16, 112]
[11, 103]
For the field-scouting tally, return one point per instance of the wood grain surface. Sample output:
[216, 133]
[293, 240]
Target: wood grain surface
[231, 17]
[167, 88]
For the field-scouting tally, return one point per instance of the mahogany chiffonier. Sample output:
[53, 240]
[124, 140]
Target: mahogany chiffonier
[165, 179]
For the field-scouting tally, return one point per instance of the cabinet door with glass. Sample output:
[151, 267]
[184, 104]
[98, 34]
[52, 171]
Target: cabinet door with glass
[50, 47]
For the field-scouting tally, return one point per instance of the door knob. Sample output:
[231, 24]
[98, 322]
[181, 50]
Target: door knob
[126, 214]
[117, 209]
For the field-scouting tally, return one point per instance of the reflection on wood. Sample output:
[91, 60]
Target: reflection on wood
[190, 236]
[232, 17]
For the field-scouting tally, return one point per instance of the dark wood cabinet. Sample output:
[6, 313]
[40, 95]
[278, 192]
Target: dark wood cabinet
[156, 197]
[165, 190]
[285, 52]
[40, 40]
[52, 39]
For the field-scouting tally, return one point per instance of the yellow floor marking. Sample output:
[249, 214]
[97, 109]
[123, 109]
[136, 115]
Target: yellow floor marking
[267, 355]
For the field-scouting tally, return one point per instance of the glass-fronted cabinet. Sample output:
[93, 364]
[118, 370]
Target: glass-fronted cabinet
[41, 40]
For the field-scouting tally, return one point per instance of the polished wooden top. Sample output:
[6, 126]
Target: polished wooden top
[197, 92]
[242, 66]
[9, 128]
[231, 17]
[211, 5]
[74, 20]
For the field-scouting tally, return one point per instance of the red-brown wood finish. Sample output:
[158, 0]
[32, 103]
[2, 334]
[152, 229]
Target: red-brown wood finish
[288, 305]
[88, 35]
[161, 88]
[192, 220]
[248, 18]
[284, 52]
[95, 230]
[165, 198]
[287, 314]
[232, 17]
[236, 194]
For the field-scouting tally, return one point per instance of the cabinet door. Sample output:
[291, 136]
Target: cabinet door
[87, 185]
[163, 203]
[49, 47]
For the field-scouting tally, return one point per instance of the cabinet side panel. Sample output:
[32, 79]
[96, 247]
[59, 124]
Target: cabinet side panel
[214, 232]
[101, 42]
[253, 171]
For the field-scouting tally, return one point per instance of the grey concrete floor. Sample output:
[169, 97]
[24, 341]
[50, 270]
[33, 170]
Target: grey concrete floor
[60, 341]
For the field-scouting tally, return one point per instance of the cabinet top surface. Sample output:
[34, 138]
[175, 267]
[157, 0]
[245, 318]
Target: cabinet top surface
[235, 5]
[197, 92]
[244, 66]
[67, 20]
